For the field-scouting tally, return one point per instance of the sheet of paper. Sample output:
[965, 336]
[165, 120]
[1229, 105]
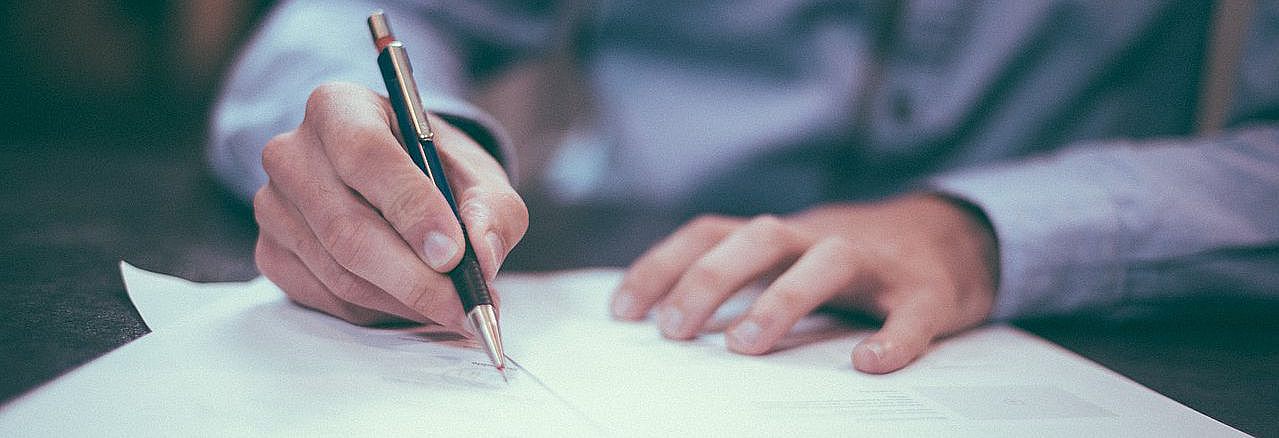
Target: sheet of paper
[994, 381]
[165, 301]
[250, 363]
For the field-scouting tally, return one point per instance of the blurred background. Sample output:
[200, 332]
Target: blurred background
[114, 69]
[102, 118]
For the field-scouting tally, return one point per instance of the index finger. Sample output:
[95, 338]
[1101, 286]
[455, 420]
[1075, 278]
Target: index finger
[655, 272]
[354, 126]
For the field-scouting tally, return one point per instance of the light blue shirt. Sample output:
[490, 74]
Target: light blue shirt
[1070, 124]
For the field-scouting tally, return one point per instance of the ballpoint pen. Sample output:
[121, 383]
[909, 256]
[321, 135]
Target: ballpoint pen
[419, 142]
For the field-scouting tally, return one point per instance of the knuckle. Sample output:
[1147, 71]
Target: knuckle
[260, 205]
[767, 229]
[705, 275]
[324, 94]
[881, 303]
[703, 227]
[349, 287]
[275, 153]
[708, 222]
[335, 99]
[425, 300]
[262, 258]
[768, 318]
[513, 206]
[504, 210]
[309, 247]
[945, 294]
[361, 153]
[841, 248]
[647, 267]
[346, 239]
[363, 135]
[784, 296]
[406, 207]
[767, 222]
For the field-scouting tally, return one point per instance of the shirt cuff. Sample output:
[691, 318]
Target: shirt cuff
[1059, 249]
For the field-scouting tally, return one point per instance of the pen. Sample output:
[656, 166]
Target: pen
[419, 142]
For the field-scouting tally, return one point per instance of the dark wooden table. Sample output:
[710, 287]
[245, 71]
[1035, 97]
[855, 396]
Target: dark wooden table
[68, 216]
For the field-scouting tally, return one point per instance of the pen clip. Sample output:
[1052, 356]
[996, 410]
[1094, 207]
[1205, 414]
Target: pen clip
[402, 71]
[407, 88]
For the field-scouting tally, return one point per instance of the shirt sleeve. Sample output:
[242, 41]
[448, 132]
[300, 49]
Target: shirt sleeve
[304, 43]
[1109, 225]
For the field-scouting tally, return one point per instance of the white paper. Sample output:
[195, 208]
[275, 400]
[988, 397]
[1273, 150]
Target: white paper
[250, 363]
[165, 301]
[993, 381]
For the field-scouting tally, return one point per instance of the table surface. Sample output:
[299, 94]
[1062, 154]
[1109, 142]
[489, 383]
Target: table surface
[66, 223]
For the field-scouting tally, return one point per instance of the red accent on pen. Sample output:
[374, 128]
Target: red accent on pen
[382, 42]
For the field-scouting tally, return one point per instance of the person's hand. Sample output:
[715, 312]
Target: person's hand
[925, 265]
[349, 226]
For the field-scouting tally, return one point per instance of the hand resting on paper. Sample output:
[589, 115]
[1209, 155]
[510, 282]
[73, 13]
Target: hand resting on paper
[923, 263]
[349, 226]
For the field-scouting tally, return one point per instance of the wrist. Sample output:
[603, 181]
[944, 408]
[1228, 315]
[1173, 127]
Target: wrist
[980, 240]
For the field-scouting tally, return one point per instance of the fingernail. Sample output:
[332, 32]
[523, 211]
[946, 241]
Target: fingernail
[746, 334]
[438, 250]
[670, 319]
[622, 303]
[496, 246]
[876, 351]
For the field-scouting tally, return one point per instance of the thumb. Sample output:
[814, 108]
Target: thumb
[906, 333]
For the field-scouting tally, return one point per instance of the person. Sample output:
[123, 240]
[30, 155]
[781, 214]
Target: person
[936, 164]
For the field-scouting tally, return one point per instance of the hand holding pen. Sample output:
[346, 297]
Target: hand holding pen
[419, 142]
[349, 225]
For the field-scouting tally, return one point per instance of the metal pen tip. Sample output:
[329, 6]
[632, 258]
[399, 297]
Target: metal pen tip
[484, 320]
